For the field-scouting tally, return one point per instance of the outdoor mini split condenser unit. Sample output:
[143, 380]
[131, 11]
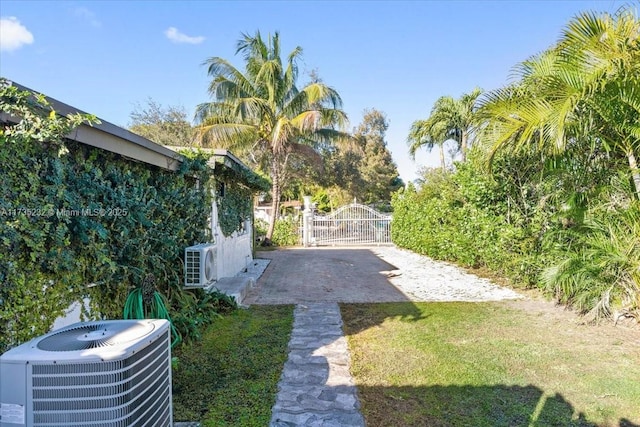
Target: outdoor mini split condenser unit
[114, 373]
[200, 265]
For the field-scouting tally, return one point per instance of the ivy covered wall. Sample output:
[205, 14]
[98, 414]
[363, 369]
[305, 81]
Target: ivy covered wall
[72, 216]
[234, 206]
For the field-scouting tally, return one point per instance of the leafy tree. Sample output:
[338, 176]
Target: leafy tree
[449, 119]
[163, 125]
[377, 169]
[261, 110]
[345, 181]
[586, 88]
[363, 170]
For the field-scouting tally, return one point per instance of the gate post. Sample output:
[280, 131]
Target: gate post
[307, 222]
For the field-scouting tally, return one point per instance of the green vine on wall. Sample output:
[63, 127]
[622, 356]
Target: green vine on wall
[234, 204]
[72, 216]
[234, 196]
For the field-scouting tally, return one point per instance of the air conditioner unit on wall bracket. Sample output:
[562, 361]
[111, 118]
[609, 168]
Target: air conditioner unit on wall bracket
[200, 268]
[110, 373]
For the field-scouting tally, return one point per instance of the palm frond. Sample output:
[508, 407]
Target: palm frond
[291, 73]
[225, 135]
[223, 71]
[319, 93]
[418, 137]
[307, 121]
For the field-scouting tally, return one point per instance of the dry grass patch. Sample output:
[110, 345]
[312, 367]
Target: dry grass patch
[491, 364]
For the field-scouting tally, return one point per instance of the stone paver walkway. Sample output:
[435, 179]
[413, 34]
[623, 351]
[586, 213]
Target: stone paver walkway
[316, 388]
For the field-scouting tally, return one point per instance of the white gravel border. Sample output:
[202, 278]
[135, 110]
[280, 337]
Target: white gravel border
[423, 279]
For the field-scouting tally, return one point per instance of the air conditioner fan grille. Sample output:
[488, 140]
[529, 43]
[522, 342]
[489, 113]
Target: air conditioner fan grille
[209, 266]
[94, 335]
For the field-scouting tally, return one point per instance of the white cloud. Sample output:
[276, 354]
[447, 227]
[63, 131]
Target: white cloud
[88, 16]
[176, 36]
[13, 35]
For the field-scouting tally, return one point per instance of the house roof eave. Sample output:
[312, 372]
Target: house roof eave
[109, 137]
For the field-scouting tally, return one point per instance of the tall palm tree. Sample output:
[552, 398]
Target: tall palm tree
[465, 119]
[587, 87]
[263, 111]
[449, 119]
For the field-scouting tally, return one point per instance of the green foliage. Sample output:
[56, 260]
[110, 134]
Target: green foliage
[230, 377]
[599, 270]
[528, 215]
[38, 272]
[74, 216]
[377, 169]
[162, 125]
[553, 211]
[235, 206]
[364, 170]
[234, 186]
[286, 232]
[322, 200]
[450, 119]
[585, 87]
[235, 173]
[440, 222]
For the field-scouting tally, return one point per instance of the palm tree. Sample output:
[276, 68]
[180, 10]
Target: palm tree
[424, 134]
[587, 88]
[449, 119]
[262, 110]
[466, 119]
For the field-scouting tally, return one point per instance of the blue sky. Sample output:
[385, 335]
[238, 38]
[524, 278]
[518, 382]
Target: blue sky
[103, 57]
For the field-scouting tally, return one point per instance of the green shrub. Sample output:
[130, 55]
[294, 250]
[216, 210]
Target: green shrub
[565, 225]
[599, 272]
[286, 232]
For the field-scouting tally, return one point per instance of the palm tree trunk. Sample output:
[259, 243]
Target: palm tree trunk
[463, 146]
[635, 172]
[275, 194]
[444, 166]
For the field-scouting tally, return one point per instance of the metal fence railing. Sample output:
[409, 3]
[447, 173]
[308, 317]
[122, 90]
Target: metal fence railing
[353, 224]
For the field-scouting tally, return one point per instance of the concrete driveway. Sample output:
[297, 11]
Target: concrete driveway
[361, 275]
[303, 275]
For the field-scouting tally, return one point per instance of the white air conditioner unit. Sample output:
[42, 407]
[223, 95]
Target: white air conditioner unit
[113, 373]
[200, 268]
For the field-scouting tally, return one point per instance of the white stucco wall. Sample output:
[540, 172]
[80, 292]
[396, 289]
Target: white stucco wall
[234, 253]
[73, 314]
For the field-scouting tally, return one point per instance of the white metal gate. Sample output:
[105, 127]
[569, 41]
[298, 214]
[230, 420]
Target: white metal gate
[353, 224]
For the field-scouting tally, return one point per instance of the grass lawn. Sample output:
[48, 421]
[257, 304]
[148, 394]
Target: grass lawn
[230, 377]
[490, 364]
